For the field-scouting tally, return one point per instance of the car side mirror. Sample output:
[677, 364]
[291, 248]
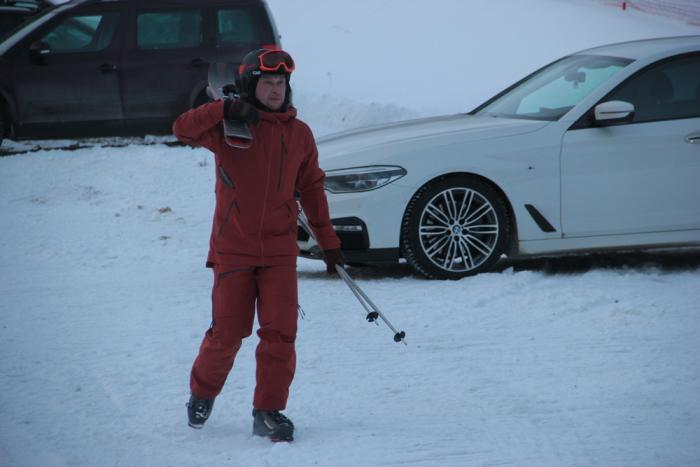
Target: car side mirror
[39, 49]
[612, 112]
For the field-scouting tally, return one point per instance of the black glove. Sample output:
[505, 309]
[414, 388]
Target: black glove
[230, 90]
[331, 258]
[240, 110]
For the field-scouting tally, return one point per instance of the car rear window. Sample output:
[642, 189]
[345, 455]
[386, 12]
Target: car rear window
[176, 29]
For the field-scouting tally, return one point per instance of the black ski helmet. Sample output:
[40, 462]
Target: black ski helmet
[264, 61]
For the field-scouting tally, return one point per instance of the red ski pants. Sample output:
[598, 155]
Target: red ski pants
[235, 294]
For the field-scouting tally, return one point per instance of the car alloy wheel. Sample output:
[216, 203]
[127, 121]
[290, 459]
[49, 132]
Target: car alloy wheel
[455, 228]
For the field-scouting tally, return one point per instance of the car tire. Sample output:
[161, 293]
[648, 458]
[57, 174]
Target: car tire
[455, 227]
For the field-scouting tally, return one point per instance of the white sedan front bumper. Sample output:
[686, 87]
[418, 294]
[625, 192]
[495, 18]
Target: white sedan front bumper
[368, 224]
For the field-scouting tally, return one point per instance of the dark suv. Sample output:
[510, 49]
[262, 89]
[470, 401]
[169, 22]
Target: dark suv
[120, 67]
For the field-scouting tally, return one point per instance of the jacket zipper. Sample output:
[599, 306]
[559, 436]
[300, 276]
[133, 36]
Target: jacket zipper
[281, 175]
[264, 206]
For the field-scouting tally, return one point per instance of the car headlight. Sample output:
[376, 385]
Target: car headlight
[362, 178]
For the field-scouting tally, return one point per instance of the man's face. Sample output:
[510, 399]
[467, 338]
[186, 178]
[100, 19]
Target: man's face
[271, 91]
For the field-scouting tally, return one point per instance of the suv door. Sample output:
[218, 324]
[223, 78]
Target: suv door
[641, 176]
[166, 59]
[76, 80]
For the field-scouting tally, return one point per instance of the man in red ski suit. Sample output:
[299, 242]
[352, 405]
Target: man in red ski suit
[253, 246]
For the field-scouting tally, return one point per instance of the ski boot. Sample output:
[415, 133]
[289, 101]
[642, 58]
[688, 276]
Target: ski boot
[198, 411]
[273, 425]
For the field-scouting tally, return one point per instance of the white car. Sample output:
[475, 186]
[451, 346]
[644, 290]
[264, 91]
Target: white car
[599, 150]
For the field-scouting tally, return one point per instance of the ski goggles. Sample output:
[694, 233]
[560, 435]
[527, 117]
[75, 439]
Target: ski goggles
[274, 60]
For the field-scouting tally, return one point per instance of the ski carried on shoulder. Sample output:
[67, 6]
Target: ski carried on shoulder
[222, 86]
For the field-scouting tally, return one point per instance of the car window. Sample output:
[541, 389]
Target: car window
[82, 33]
[175, 29]
[554, 90]
[235, 26]
[667, 91]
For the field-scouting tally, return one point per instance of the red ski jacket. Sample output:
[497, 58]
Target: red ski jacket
[255, 220]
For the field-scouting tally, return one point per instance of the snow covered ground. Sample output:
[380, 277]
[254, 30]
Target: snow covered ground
[104, 298]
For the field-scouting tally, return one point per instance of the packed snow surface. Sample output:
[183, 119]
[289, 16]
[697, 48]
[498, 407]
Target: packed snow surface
[104, 299]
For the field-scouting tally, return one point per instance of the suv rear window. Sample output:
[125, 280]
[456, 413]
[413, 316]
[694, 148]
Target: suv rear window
[177, 29]
[235, 26]
[242, 26]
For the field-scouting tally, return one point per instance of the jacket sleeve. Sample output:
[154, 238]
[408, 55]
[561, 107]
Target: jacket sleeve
[200, 126]
[309, 184]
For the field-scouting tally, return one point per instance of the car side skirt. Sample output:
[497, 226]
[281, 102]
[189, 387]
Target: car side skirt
[649, 240]
[369, 256]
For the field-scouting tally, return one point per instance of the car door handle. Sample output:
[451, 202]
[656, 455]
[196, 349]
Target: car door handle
[199, 62]
[107, 68]
[693, 138]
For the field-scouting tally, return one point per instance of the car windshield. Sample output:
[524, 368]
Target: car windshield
[13, 37]
[551, 92]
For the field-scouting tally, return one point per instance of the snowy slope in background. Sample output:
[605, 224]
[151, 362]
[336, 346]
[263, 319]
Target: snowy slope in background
[104, 297]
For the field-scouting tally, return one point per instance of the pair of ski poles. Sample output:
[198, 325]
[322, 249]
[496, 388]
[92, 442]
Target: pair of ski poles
[373, 312]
